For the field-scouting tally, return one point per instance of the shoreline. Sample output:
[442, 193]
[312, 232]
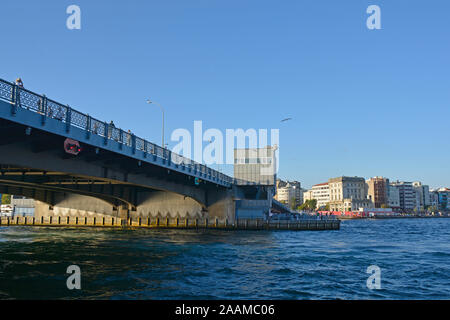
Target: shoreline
[393, 217]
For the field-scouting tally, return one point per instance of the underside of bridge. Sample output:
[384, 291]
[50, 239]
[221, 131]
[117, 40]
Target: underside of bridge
[99, 182]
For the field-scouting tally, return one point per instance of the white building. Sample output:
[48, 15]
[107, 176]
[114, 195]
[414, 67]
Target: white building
[307, 195]
[407, 195]
[321, 192]
[348, 194]
[289, 193]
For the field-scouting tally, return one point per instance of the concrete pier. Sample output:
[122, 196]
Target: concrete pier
[170, 223]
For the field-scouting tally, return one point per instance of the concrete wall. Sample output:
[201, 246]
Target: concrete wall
[74, 205]
[221, 205]
[166, 204]
[150, 204]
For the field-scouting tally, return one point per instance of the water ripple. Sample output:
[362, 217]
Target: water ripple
[413, 254]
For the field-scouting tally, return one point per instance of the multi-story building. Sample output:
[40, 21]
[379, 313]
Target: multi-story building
[444, 199]
[378, 191]
[256, 166]
[289, 193]
[321, 192]
[422, 195]
[307, 195]
[22, 206]
[348, 194]
[434, 198]
[394, 197]
[407, 195]
[298, 192]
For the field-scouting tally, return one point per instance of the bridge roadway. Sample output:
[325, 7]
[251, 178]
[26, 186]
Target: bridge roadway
[116, 174]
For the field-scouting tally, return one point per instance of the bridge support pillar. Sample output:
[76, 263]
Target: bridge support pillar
[74, 205]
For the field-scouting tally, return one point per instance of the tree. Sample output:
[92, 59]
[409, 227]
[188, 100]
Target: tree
[6, 199]
[384, 206]
[308, 205]
[293, 203]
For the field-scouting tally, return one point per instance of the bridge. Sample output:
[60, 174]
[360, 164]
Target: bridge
[116, 173]
[82, 171]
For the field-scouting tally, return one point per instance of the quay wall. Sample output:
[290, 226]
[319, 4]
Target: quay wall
[172, 223]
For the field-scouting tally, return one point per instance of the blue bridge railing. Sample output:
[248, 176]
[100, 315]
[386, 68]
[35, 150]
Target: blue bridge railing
[23, 98]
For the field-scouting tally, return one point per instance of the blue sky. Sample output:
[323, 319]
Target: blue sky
[363, 102]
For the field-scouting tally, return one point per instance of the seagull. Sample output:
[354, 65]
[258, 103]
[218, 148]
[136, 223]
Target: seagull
[287, 119]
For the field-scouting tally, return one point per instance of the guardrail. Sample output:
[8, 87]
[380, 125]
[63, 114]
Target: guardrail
[26, 99]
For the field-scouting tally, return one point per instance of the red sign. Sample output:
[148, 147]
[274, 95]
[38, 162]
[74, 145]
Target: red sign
[72, 146]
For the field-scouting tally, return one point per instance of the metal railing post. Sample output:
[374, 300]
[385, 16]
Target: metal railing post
[68, 118]
[106, 133]
[88, 127]
[133, 143]
[44, 109]
[120, 139]
[145, 148]
[15, 99]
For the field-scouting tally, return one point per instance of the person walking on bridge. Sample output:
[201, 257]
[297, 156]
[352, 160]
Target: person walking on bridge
[19, 82]
[110, 129]
[129, 138]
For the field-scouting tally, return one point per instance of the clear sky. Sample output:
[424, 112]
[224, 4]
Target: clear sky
[363, 102]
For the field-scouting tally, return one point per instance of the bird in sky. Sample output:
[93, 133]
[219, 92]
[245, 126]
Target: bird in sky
[287, 119]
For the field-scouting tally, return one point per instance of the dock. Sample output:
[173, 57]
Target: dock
[172, 223]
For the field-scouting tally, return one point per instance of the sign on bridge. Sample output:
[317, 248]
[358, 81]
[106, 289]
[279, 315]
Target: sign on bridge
[72, 146]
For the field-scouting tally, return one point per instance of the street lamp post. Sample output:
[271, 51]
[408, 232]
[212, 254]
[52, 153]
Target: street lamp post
[162, 110]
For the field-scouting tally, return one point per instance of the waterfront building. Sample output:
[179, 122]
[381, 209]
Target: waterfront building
[394, 197]
[289, 193]
[348, 194]
[298, 192]
[257, 166]
[22, 206]
[434, 198]
[443, 199]
[307, 195]
[321, 192]
[422, 195]
[407, 195]
[378, 191]
[6, 210]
